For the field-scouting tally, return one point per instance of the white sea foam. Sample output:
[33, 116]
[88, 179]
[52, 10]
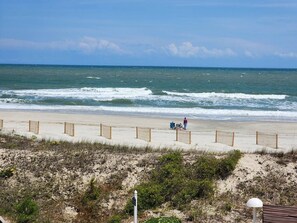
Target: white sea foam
[99, 94]
[227, 95]
[108, 94]
[220, 114]
[91, 77]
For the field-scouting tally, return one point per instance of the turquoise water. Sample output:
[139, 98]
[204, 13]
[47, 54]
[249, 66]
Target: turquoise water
[207, 93]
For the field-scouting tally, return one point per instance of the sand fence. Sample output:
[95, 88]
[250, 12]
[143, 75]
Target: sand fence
[144, 134]
[106, 131]
[34, 126]
[183, 136]
[69, 128]
[224, 137]
[248, 140]
[267, 139]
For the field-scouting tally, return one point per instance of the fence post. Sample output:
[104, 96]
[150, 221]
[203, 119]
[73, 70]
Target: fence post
[38, 127]
[176, 135]
[29, 125]
[64, 127]
[257, 137]
[233, 139]
[190, 137]
[276, 136]
[150, 134]
[216, 136]
[110, 129]
[100, 129]
[136, 132]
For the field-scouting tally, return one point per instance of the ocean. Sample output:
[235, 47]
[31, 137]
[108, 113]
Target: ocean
[196, 93]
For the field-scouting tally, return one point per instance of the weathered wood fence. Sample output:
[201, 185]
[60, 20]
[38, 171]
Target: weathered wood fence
[279, 214]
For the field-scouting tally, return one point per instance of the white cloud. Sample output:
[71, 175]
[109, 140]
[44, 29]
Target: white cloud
[186, 49]
[286, 55]
[90, 44]
[249, 54]
[86, 45]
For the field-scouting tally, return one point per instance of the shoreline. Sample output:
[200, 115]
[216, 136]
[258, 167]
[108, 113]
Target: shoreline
[203, 131]
[154, 115]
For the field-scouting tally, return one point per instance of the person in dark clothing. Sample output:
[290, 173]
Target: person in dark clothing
[185, 123]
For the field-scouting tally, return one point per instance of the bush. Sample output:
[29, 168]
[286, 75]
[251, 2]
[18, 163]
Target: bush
[92, 193]
[115, 219]
[174, 182]
[7, 173]
[163, 220]
[27, 211]
[149, 196]
[170, 166]
[228, 164]
[193, 189]
[205, 167]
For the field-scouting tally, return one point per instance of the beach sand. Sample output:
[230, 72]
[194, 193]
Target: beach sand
[123, 131]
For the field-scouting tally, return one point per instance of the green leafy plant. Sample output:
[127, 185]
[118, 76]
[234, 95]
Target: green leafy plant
[115, 219]
[27, 211]
[174, 182]
[6, 173]
[92, 193]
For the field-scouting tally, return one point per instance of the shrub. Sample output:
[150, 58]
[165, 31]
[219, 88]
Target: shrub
[193, 189]
[92, 193]
[205, 167]
[228, 164]
[7, 173]
[172, 182]
[27, 211]
[163, 220]
[149, 196]
[170, 165]
[115, 219]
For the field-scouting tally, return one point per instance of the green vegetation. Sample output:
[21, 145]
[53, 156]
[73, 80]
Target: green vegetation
[177, 183]
[92, 193]
[115, 219]
[6, 173]
[27, 211]
[163, 220]
[174, 180]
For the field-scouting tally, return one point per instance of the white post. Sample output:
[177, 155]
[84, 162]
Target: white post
[135, 207]
[254, 203]
[254, 215]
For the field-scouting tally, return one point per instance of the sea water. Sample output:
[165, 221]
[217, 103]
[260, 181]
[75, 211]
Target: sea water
[201, 93]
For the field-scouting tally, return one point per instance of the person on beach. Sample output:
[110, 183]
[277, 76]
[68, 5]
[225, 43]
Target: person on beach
[185, 123]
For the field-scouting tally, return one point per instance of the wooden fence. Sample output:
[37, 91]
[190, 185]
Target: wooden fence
[144, 134]
[183, 136]
[225, 137]
[1, 124]
[69, 128]
[106, 131]
[279, 214]
[34, 126]
[267, 139]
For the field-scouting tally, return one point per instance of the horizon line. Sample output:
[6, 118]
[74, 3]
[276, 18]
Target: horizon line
[151, 66]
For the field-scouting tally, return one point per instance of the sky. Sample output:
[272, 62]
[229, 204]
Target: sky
[199, 33]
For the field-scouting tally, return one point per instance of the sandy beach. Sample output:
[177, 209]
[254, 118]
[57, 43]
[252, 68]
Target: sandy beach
[123, 131]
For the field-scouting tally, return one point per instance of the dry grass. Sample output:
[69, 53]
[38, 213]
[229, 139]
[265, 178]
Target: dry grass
[56, 174]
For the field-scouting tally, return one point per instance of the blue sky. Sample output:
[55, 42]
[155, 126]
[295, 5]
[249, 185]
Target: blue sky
[212, 33]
